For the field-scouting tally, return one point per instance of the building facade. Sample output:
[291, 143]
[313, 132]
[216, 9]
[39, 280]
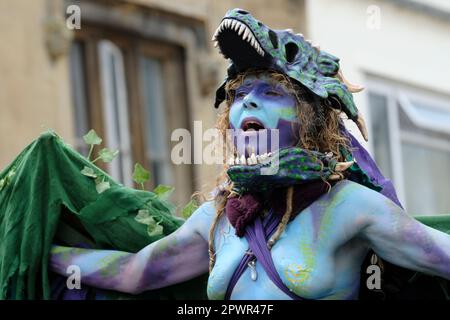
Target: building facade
[135, 70]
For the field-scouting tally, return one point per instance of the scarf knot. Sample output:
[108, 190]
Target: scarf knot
[241, 211]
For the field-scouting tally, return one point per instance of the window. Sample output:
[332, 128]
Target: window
[155, 116]
[79, 95]
[131, 90]
[411, 143]
[115, 110]
[380, 137]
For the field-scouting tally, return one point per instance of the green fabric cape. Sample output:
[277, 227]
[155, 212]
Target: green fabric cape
[44, 183]
[44, 198]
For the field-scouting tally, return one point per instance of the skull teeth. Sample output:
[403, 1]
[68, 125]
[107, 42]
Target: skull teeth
[242, 30]
[250, 161]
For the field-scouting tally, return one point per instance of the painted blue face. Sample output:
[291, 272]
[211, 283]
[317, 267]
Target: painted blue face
[261, 109]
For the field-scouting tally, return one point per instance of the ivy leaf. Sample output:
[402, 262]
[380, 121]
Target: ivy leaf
[101, 185]
[189, 208]
[88, 172]
[163, 192]
[11, 174]
[140, 175]
[155, 230]
[107, 155]
[6, 180]
[144, 217]
[92, 138]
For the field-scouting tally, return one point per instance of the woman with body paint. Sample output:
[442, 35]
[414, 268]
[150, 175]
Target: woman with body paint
[294, 221]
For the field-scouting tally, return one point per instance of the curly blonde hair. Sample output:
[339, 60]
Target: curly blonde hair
[318, 131]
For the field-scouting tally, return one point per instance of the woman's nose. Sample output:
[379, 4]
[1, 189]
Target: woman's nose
[249, 103]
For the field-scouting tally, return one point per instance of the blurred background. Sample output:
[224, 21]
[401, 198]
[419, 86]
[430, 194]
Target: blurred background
[134, 70]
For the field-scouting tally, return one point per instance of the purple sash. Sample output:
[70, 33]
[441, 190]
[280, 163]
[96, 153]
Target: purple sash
[257, 235]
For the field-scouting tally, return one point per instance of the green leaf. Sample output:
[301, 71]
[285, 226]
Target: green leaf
[102, 186]
[155, 230]
[11, 174]
[88, 172]
[163, 192]
[144, 217]
[92, 138]
[107, 155]
[189, 209]
[140, 175]
[6, 180]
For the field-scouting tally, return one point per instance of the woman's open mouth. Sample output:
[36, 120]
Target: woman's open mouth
[252, 140]
[252, 124]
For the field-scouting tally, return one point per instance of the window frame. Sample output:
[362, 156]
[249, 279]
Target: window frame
[133, 47]
[396, 94]
[108, 49]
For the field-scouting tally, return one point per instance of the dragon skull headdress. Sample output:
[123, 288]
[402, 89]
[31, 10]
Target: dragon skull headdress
[248, 43]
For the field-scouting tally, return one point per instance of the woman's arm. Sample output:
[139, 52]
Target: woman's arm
[402, 240]
[178, 257]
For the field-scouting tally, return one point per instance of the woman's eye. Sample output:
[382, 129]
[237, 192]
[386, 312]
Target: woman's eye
[272, 93]
[241, 94]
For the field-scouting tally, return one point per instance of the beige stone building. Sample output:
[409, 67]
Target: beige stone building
[135, 70]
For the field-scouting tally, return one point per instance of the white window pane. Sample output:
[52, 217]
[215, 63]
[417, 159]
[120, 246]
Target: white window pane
[380, 133]
[427, 179]
[425, 115]
[115, 109]
[79, 97]
[156, 135]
